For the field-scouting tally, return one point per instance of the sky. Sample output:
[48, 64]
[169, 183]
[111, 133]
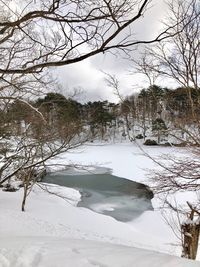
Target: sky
[88, 76]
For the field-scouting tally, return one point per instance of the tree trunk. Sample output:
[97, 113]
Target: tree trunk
[24, 200]
[191, 233]
[26, 184]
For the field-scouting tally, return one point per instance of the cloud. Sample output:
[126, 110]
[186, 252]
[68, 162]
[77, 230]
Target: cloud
[88, 76]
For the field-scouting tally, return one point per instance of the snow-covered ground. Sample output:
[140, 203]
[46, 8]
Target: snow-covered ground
[54, 232]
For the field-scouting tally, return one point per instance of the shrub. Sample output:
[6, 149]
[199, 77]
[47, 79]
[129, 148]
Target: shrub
[9, 188]
[150, 142]
[139, 136]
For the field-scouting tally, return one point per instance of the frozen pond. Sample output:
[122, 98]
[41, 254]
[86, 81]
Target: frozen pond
[105, 193]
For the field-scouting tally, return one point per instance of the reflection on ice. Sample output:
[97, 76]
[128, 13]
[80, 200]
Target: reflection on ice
[113, 203]
[100, 208]
[121, 207]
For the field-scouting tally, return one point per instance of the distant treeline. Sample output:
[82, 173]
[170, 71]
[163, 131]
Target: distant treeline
[154, 107]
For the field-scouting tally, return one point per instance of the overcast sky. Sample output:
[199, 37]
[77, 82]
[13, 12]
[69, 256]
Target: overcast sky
[88, 74]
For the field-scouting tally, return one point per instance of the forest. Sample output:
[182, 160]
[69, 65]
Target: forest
[159, 112]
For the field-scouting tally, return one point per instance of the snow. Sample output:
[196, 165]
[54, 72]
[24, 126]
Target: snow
[125, 160]
[54, 232]
[54, 252]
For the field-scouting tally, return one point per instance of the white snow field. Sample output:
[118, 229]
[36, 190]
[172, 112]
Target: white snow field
[53, 232]
[58, 252]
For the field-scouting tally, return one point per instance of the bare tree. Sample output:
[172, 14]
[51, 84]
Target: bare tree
[179, 174]
[45, 33]
[27, 159]
[177, 58]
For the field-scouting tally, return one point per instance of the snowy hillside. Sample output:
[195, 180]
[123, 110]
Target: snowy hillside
[53, 232]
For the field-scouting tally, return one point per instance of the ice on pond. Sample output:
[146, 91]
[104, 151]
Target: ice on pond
[105, 193]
